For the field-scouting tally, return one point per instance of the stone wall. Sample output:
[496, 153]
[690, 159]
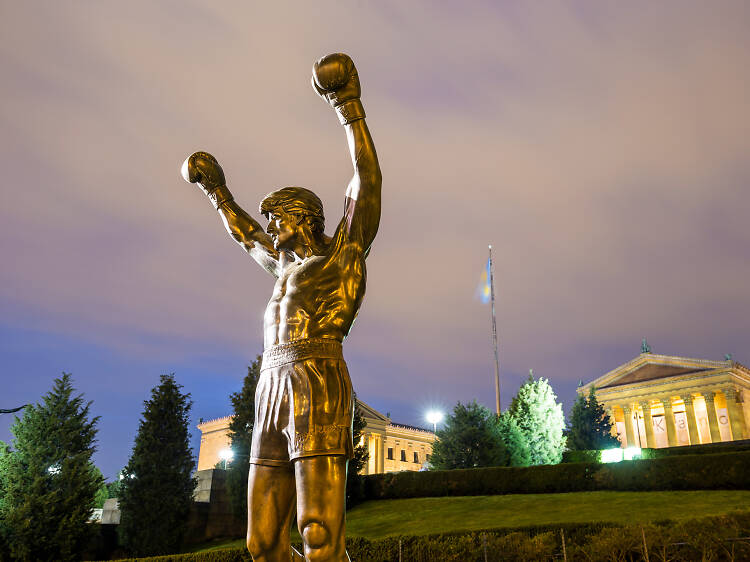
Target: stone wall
[211, 513]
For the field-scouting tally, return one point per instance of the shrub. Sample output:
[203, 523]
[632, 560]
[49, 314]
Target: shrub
[697, 472]
[710, 538]
[582, 456]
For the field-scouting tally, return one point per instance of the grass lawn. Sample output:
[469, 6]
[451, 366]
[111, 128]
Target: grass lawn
[422, 516]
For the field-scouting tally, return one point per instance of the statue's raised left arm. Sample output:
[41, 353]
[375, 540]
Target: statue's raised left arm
[335, 79]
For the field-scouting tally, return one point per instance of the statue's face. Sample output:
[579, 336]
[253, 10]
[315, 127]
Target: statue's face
[282, 228]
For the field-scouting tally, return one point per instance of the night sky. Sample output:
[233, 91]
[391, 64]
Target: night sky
[600, 147]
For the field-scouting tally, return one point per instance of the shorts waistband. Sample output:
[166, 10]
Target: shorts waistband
[299, 350]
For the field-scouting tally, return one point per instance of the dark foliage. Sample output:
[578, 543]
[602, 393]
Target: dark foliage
[48, 481]
[114, 487]
[589, 426]
[240, 436]
[710, 538]
[157, 488]
[354, 482]
[469, 438]
[689, 472]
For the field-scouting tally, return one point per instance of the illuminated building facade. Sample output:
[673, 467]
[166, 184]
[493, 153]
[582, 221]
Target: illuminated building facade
[392, 447]
[660, 401]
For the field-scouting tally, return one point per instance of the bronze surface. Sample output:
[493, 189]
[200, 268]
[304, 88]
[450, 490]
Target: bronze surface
[320, 283]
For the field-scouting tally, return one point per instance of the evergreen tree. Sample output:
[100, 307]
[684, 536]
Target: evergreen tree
[469, 438]
[48, 480]
[240, 437]
[516, 444]
[157, 488]
[533, 425]
[354, 482]
[589, 425]
[4, 531]
[114, 487]
[101, 494]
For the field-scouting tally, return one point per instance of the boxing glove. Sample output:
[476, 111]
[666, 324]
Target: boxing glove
[203, 169]
[335, 79]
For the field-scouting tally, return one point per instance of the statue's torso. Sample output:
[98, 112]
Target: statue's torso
[318, 297]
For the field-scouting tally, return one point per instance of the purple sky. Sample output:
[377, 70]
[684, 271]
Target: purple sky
[601, 147]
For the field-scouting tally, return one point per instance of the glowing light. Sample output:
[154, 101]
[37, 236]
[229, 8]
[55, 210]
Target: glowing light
[632, 453]
[226, 455]
[54, 469]
[612, 455]
[434, 417]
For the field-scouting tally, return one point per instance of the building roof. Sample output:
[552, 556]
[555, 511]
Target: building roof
[411, 427]
[651, 371]
[370, 412]
[652, 367]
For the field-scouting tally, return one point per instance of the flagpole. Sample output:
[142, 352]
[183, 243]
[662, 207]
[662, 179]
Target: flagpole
[494, 334]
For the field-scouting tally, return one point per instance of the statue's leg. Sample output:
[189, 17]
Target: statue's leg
[321, 496]
[270, 507]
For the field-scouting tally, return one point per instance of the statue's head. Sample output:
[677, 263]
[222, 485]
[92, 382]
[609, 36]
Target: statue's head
[291, 210]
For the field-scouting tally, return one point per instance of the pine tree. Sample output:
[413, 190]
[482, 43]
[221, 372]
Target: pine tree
[533, 425]
[516, 443]
[157, 488]
[354, 482]
[469, 438]
[48, 480]
[240, 437]
[589, 425]
[5, 457]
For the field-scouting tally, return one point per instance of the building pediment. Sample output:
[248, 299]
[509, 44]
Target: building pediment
[371, 413]
[651, 367]
[653, 371]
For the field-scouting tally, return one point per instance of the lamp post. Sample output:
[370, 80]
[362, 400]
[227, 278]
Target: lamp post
[226, 455]
[434, 417]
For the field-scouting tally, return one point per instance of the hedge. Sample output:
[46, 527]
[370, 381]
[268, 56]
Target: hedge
[705, 449]
[683, 472]
[710, 538]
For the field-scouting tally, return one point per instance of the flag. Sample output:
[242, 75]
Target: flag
[484, 290]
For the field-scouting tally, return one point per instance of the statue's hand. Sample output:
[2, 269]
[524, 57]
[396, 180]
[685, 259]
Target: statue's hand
[203, 169]
[335, 79]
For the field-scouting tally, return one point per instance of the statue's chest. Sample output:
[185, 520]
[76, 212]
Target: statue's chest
[310, 276]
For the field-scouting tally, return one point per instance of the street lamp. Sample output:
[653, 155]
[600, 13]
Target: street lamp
[226, 455]
[434, 417]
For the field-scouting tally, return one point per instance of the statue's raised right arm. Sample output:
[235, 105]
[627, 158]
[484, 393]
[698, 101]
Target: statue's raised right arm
[335, 80]
[201, 168]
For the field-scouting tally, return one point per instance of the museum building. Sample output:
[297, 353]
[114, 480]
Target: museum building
[393, 447]
[664, 401]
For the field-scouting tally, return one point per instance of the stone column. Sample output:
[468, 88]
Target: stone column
[735, 411]
[629, 427]
[381, 453]
[610, 416]
[690, 415]
[669, 418]
[649, 423]
[713, 420]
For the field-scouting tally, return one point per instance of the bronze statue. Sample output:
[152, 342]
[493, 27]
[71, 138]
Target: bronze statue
[302, 438]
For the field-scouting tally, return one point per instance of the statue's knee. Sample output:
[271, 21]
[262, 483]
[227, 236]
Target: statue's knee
[253, 546]
[316, 535]
[258, 545]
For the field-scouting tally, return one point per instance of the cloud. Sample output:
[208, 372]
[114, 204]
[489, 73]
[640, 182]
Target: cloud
[601, 149]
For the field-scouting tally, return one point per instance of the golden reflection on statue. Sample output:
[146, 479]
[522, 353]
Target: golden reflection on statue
[302, 438]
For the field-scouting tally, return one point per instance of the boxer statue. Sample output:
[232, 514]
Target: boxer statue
[302, 437]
